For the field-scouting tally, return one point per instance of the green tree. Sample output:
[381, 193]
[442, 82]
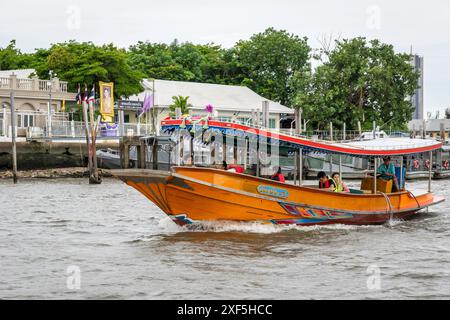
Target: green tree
[180, 102]
[269, 61]
[178, 61]
[12, 58]
[361, 81]
[86, 63]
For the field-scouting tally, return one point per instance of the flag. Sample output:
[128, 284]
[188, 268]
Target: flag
[78, 97]
[92, 96]
[85, 97]
[63, 107]
[148, 104]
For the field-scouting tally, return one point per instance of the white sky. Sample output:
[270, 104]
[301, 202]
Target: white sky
[423, 24]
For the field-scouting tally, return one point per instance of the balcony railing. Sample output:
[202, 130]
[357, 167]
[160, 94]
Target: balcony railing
[34, 84]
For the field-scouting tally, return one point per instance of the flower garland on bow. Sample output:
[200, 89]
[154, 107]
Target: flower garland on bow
[196, 120]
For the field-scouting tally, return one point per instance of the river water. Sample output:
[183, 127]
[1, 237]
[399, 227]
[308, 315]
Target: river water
[65, 239]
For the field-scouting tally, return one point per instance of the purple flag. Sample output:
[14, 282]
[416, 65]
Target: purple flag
[148, 104]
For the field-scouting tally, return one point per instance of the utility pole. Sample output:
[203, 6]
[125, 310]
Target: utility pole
[49, 121]
[13, 138]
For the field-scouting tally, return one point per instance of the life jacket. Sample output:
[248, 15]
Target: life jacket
[238, 169]
[278, 177]
[338, 187]
[326, 184]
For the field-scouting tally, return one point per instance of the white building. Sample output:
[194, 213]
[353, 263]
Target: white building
[432, 127]
[31, 99]
[231, 102]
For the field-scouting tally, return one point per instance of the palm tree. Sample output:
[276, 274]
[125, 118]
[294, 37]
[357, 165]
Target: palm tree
[180, 102]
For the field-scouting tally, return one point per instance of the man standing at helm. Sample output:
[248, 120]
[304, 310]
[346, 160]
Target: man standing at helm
[387, 172]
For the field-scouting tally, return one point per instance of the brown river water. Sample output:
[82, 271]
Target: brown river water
[65, 239]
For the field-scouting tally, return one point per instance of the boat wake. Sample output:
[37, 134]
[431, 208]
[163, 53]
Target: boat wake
[248, 227]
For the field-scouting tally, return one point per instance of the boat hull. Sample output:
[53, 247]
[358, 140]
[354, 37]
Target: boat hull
[196, 195]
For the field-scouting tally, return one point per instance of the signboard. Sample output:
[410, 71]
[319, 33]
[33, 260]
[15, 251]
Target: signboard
[273, 191]
[130, 104]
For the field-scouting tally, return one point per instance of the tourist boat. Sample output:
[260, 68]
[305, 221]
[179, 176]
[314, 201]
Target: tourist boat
[193, 195]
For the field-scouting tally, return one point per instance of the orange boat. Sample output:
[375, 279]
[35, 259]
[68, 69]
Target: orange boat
[191, 195]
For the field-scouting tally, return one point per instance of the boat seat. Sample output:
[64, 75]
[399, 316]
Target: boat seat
[384, 186]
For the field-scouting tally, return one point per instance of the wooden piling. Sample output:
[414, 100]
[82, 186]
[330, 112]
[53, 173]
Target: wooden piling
[155, 154]
[94, 177]
[87, 132]
[124, 153]
[142, 154]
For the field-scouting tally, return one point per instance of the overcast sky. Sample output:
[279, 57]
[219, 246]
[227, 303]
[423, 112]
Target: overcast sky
[423, 24]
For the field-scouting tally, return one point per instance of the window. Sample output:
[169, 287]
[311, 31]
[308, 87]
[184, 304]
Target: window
[25, 120]
[244, 120]
[272, 123]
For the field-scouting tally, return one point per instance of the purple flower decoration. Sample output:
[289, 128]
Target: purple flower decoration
[209, 108]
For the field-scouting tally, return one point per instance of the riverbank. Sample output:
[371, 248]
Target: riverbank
[74, 172]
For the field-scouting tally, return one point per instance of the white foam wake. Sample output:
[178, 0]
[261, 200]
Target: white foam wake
[248, 227]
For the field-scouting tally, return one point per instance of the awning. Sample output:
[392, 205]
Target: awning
[378, 147]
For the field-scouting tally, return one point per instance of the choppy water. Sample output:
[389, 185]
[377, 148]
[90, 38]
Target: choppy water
[125, 248]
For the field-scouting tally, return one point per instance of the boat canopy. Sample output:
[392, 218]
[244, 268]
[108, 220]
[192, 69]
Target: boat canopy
[366, 148]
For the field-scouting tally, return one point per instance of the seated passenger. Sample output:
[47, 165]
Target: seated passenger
[232, 167]
[387, 172]
[278, 176]
[224, 165]
[325, 182]
[340, 185]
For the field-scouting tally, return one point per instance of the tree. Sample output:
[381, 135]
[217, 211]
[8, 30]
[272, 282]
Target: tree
[12, 58]
[86, 63]
[361, 81]
[179, 61]
[180, 102]
[269, 61]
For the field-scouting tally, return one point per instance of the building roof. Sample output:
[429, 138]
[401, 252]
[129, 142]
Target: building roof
[222, 97]
[433, 125]
[20, 73]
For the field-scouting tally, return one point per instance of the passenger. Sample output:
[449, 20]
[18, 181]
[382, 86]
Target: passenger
[340, 185]
[324, 181]
[278, 176]
[387, 172]
[224, 165]
[232, 167]
[236, 168]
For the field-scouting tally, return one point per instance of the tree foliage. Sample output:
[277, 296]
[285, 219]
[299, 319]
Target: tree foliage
[269, 61]
[12, 58]
[360, 81]
[180, 102]
[86, 63]
[357, 80]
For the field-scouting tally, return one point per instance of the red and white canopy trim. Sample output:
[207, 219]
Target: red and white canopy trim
[377, 147]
